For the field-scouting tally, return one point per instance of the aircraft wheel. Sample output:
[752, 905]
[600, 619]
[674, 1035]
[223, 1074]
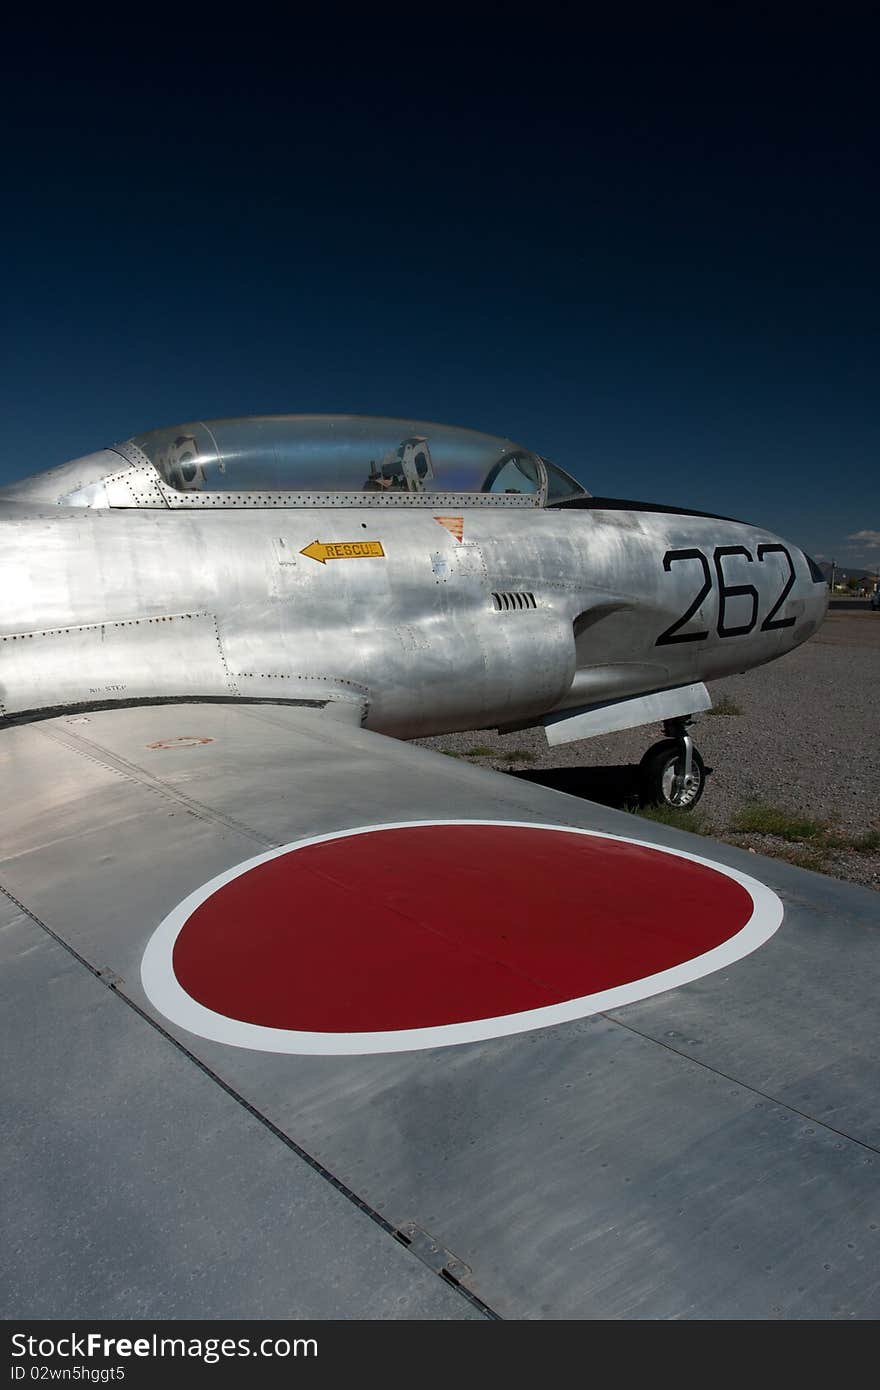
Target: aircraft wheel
[660, 781]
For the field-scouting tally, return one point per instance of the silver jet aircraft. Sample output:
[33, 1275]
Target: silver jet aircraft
[301, 1020]
[413, 578]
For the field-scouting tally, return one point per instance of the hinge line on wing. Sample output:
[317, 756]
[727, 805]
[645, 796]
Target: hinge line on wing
[113, 983]
[743, 1085]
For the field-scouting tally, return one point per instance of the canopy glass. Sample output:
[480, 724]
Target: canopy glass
[345, 453]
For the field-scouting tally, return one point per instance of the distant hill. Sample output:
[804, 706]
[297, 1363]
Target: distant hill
[866, 573]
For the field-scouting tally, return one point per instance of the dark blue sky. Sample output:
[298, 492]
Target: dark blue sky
[651, 255]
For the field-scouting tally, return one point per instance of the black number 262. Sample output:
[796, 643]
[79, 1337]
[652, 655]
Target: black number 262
[726, 591]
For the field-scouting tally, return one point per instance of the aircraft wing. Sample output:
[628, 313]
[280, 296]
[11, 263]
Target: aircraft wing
[197, 1123]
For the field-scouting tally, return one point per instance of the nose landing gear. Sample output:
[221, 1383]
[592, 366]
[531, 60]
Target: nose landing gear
[672, 773]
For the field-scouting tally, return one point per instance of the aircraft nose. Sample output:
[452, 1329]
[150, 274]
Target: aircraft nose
[814, 592]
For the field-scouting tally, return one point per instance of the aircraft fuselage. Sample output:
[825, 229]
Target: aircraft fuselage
[385, 612]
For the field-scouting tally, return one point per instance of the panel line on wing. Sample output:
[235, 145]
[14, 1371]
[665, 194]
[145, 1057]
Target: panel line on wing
[96, 753]
[735, 1081]
[111, 982]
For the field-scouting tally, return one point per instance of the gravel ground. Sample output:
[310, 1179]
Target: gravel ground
[801, 736]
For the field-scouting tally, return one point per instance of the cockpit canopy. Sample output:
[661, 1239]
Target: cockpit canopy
[307, 461]
[344, 453]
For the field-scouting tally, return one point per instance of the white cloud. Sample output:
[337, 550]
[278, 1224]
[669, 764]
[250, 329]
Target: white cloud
[871, 539]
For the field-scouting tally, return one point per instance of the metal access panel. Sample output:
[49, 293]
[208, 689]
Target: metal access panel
[129, 659]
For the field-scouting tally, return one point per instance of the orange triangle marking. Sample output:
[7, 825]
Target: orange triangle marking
[453, 524]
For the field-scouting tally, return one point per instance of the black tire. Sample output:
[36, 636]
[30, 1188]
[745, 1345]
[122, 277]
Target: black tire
[657, 772]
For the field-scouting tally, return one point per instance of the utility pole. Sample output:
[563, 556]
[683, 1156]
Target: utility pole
[833, 571]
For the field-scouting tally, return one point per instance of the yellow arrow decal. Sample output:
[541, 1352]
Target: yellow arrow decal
[322, 551]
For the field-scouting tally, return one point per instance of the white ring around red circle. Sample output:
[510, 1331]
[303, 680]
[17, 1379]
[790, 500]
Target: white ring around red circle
[166, 994]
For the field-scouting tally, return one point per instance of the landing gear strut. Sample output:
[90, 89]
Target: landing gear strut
[672, 772]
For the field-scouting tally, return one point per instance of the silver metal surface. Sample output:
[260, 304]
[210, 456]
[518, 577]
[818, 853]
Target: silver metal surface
[432, 501]
[136, 1187]
[711, 1152]
[609, 717]
[101, 602]
[183, 686]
